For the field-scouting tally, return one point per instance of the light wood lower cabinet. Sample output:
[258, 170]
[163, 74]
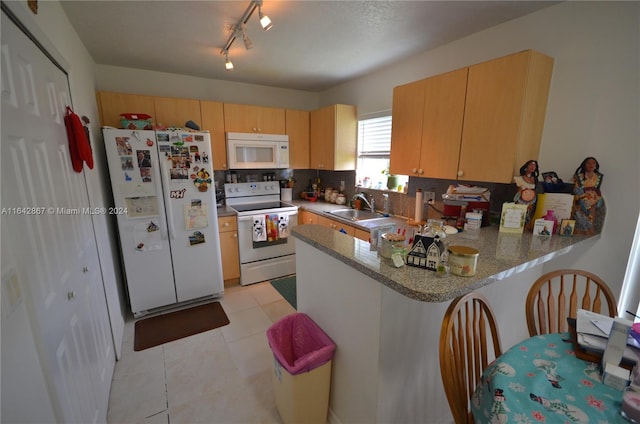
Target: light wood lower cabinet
[228, 232]
[308, 217]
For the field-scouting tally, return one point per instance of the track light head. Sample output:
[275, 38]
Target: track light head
[227, 63]
[248, 44]
[264, 20]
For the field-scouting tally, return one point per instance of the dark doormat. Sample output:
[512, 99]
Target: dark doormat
[154, 331]
[286, 286]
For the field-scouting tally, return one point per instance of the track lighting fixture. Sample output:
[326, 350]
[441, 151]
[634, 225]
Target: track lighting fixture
[240, 30]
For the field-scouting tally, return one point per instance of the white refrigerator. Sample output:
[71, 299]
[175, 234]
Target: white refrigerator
[162, 183]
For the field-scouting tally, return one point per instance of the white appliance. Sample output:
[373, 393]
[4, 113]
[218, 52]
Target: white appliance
[257, 151]
[266, 249]
[165, 203]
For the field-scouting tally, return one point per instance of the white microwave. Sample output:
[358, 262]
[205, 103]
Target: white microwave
[257, 151]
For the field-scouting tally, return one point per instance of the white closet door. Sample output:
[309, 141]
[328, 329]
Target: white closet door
[53, 257]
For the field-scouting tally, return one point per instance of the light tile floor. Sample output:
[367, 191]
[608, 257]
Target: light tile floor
[219, 376]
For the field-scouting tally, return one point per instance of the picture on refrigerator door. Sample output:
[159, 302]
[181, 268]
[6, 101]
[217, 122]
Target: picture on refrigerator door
[196, 238]
[141, 206]
[202, 180]
[145, 174]
[179, 174]
[126, 162]
[162, 137]
[146, 236]
[144, 158]
[196, 215]
[124, 148]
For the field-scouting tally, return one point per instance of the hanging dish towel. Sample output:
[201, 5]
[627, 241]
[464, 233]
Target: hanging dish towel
[79, 146]
[259, 228]
[283, 225]
[272, 227]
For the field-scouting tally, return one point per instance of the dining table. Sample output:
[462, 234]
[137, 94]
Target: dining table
[540, 380]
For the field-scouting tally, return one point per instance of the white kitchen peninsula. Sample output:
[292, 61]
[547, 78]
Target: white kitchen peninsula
[386, 321]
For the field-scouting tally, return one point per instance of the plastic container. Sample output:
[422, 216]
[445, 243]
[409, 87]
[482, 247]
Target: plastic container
[302, 356]
[463, 260]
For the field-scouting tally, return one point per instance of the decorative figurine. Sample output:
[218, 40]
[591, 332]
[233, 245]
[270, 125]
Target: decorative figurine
[527, 183]
[589, 208]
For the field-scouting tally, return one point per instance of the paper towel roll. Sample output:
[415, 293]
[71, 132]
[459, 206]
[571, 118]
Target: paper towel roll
[418, 213]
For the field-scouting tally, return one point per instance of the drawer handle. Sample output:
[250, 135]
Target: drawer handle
[226, 224]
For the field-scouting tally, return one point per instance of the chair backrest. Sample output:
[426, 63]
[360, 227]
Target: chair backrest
[558, 295]
[469, 341]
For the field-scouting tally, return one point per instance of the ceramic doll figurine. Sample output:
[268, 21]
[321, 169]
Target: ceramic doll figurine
[589, 208]
[527, 183]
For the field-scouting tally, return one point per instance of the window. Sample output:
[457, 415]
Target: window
[374, 147]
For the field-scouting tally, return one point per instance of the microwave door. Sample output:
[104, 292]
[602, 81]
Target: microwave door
[252, 155]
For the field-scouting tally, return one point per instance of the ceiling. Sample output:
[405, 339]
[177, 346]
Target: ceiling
[313, 45]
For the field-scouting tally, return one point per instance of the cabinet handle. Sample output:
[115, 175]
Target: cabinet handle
[460, 173]
[71, 295]
[85, 269]
[226, 224]
[235, 235]
[420, 171]
[414, 170]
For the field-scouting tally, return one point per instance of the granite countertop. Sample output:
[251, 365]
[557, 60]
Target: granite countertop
[501, 255]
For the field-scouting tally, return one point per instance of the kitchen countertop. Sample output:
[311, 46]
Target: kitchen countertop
[501, 255]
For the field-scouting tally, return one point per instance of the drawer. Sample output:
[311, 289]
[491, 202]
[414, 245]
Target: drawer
[227, 223]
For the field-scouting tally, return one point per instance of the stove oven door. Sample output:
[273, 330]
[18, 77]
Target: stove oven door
[274, 245]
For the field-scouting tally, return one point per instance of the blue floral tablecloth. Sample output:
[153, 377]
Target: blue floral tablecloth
[541, 381]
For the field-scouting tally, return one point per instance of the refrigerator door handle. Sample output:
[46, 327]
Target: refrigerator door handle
[167, 201]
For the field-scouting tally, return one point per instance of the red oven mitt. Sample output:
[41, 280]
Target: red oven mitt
[79, 146]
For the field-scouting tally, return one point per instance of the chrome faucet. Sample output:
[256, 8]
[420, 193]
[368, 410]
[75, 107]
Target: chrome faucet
[370, 203]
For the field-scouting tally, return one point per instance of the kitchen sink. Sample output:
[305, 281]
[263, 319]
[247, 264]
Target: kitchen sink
[355, 215]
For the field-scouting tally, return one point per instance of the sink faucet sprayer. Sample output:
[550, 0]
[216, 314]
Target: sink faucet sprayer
[363, 197]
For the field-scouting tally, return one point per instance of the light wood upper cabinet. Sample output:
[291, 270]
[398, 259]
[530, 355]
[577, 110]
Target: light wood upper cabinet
[427, 126]
[111, 105]
[504, 116]
[479, 123]
[333, 138]
[297, 128]
[175, 112]
[249, 118]
[213, 121]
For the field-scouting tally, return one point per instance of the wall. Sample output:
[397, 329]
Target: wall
[593, 107]
[128, 80]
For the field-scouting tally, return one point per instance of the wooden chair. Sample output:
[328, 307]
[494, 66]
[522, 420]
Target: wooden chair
[469, 341]
[558, 294]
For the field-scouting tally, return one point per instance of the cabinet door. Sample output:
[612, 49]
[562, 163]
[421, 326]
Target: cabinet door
[306, 217]
[239, 118]
[344, 148]
[504, 115]
[270, 120]
[406, 134]
[444, 99]
[321, 135]
[333, 139]
[297, 128]
[175, 112]
[111, 105]
[213, 121]
[228, 232]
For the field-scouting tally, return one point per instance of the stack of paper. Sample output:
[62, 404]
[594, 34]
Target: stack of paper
[593, 332]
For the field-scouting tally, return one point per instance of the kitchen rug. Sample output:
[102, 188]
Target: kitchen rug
[286, 286]
[160, 329]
